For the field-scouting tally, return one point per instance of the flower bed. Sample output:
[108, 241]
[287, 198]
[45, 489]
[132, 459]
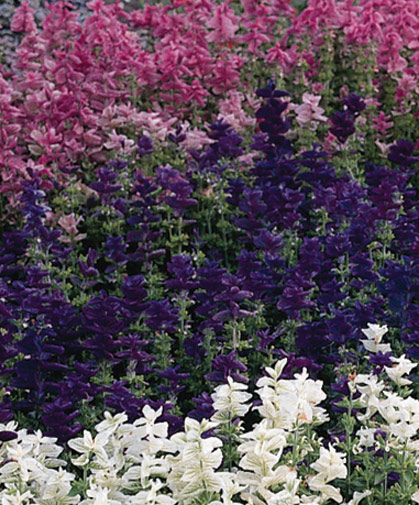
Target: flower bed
[210, 223]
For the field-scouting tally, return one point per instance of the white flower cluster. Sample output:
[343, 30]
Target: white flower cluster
[280, 461]
[400, 416]
[124, 457]
[193, 469]
[290, 403]
[229, 401]
[394, 415]
[287, 407]
[30, 471]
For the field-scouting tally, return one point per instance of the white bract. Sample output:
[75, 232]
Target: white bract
[289, 403]
[330, 466]
[193, 469]
[229, 400]
[29, 473]
[374, 334]
[402, 366]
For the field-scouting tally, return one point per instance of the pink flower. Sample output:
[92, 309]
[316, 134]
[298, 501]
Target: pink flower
[69, 225]
[255, 36]
[232, 112]
[225, 75]
[309, 112]
[225, 24]
[406, 84]
[286, 59]
[382, 123]
[23, 20]
[195, 138]
[120, 143]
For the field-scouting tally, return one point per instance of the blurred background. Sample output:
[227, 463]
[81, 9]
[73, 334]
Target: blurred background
[10, 40]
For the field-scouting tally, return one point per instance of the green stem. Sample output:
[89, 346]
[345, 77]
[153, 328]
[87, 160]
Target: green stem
[348, 441]
[179, 232]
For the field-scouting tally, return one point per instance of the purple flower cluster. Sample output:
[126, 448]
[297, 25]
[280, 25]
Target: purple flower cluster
[344, 122]
[118, 320]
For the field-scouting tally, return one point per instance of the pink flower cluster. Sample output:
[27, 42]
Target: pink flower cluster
[79, 90]
[389, 27]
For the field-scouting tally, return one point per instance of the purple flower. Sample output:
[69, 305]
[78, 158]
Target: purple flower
[253, 205]
[362, 267]
[132, 288]
[228, 145]
[223, 366]
[340, 327]
[145, 145]
[179, 190]
[6, 436]
[235, 190]
[231, 295]
[354, 104]
[380, 360]
[218, 129]
[133, 353]
[105, 184]
[174, 377]
[100, 315]
[203, 407]
[337, 245]
[341, 385]
[294, 298]
[343, 125]
[269, 242]
[402, 153]
[115, 249]
[265, 339]
[88, 269]
[312, 339]
[161, 316]
[58, 416]
[181, 268]
[269, 115]
[86, 369]
[178, 137]
[270, 92]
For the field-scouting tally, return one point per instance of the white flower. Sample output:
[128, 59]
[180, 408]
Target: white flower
[374, 334]
[193, 469]
[152, 497]
[87, 445]
[290, 403]
[415, 497]
[370, 389]
[401, 367]
[317, 484]
[366, 438]
[311, 500]
[148, 426]
[98, 496]
[22, 464]
[404, 430]
[16, 498]
[230, 487]
[229, 401]
[111, 423]
[274, 373]
[263, 439]
[56, 485]
[357, 497]
[330, 465]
